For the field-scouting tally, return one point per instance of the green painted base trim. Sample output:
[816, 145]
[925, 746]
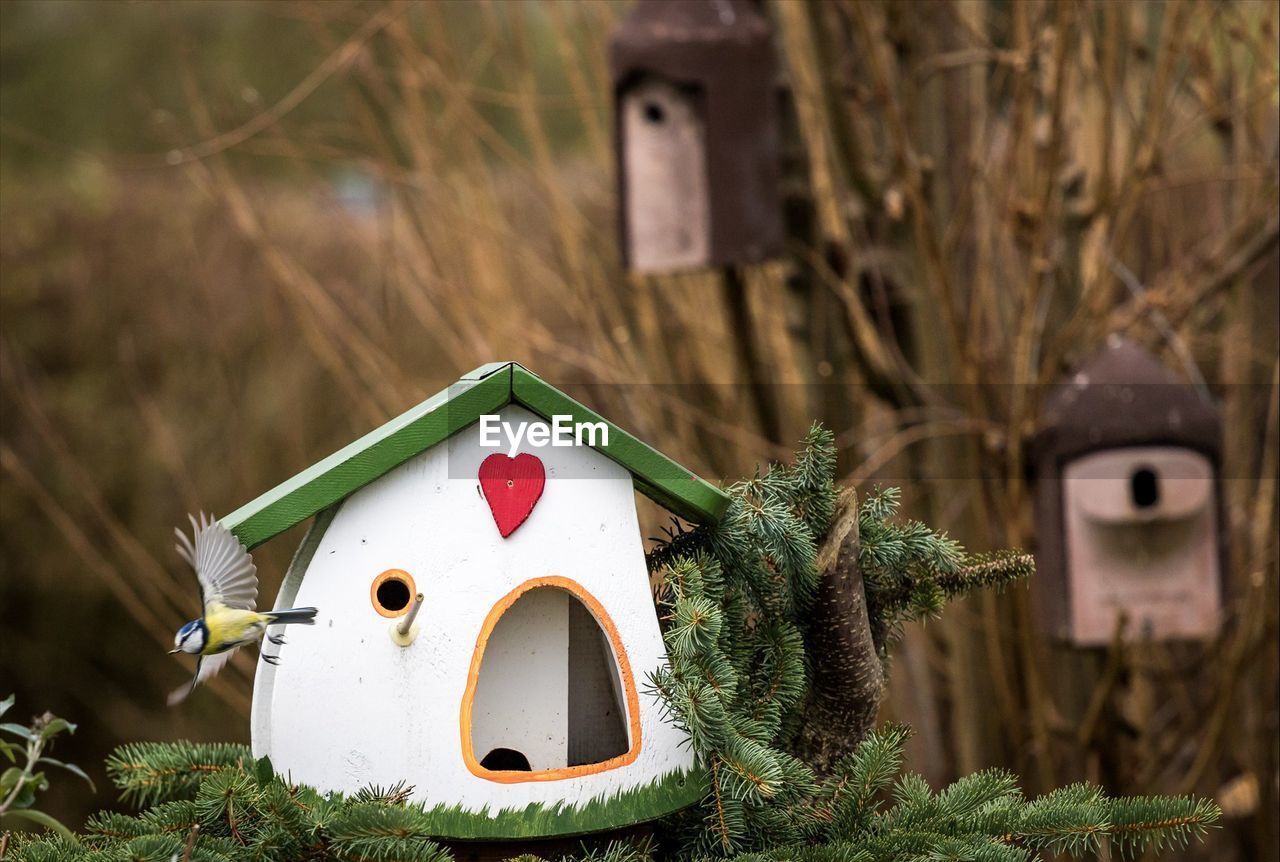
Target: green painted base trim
[486, 390]
[666, 795]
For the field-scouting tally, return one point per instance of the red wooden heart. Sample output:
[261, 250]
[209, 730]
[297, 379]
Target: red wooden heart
[511, 487]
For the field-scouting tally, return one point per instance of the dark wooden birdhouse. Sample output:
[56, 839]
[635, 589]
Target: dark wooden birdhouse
[1128, 504]
[695, 92]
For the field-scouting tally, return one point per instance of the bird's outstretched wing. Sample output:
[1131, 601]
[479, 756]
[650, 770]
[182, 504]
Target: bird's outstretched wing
[206, 667]
[223, 567]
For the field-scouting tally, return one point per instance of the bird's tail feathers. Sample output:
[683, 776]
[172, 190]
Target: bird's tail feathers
[304, 616]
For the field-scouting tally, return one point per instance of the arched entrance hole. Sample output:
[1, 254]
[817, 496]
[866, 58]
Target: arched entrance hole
[550, 694]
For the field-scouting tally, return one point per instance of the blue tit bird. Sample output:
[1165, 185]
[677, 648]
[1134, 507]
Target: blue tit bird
[228, 592]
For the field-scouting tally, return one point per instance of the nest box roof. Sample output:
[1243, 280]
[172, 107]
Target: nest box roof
[484, 391]
[672, 37]
[1124, 396]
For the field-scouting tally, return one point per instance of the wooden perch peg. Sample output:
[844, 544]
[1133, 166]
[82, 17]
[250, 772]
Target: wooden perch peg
[404, 631]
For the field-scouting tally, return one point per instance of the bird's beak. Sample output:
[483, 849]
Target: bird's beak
[174, 651]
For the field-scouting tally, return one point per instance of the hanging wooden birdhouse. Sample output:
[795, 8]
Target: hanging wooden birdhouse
[515, 698]
[1128, 504]
[695, 95]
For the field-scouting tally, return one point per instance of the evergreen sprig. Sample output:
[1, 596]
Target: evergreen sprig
[732, 603]
[148, 772]
[910, 571]
[734, 598]
[873, 814]
[866, 812]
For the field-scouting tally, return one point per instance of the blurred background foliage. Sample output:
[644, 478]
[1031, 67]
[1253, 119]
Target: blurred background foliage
[236, 235]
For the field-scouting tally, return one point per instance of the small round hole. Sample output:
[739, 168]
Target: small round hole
[506, 760]
[392, 592]
[654, 113]
[1144, 485]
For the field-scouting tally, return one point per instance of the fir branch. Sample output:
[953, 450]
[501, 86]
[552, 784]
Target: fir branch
[910, 571]
[150, 772]
[1146, 823]
[988, 571]
[734, 600]
[382, 832]
[396, 794]
[850, 793]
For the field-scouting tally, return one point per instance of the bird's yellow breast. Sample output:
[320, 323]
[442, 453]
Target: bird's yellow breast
[230, 628]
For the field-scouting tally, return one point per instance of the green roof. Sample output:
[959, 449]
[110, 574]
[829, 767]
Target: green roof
[486, 390]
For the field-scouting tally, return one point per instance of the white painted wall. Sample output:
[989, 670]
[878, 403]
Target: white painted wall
[347, 707]
[522, 695]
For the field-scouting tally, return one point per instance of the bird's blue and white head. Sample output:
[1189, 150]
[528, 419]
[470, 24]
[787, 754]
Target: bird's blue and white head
[190, 638]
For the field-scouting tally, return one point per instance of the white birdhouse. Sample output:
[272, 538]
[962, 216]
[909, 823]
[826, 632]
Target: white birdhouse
[514, 696]
[1128, 510]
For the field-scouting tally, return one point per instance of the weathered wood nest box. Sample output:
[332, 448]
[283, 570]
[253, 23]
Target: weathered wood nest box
[517, 701]
[695, 95]
[1128, 504]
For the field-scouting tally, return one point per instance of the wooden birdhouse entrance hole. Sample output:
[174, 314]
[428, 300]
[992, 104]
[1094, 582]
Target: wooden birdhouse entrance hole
[1144, 485]
[550, 693]
[392, 592]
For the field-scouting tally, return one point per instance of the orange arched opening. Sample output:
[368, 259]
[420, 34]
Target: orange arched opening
[624, 679]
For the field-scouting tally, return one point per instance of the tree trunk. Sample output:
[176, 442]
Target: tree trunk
[844, 652]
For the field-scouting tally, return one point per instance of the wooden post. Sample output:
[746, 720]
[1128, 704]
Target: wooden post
[404, 631]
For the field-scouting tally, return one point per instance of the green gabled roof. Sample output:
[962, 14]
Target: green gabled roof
[485, 390]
